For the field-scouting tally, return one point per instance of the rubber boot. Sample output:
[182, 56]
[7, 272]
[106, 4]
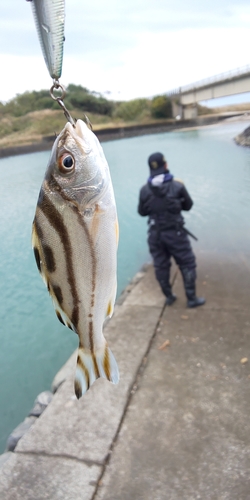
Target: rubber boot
[171, 299]
[167, 290]
[189, 277]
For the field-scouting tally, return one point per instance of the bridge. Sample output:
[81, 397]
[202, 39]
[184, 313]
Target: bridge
[185, 99]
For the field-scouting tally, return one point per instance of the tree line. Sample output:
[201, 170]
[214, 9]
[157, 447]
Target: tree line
[81, 99]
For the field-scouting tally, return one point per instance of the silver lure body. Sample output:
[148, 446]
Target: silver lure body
[49, 18]
[75, 237]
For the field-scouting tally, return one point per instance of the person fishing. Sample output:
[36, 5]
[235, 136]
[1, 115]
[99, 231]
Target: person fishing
[162, 199]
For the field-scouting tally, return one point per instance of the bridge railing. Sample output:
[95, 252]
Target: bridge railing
[209, 81]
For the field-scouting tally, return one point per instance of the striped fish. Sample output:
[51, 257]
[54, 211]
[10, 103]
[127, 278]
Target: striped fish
[74, 238]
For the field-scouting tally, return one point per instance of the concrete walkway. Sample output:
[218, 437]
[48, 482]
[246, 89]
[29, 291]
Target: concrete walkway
[177, 427]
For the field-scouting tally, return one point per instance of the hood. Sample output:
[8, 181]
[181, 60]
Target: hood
[158, 180]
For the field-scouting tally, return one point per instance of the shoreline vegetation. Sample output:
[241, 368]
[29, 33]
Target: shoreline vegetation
[30, 121]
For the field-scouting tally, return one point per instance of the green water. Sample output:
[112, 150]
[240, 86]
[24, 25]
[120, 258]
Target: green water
[34, 345]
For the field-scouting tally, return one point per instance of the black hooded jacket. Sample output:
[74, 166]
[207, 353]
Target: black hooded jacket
[163, 203]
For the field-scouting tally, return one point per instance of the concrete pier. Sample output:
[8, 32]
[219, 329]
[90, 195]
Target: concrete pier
[177, 426]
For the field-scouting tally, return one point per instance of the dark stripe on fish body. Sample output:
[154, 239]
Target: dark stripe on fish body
[47, 250]
[58, 293]
[39, 235]
[49, 258]
[75, 316]
[60, 317]
[91, 334]
[91, 342]
[38, 259]
[56, 221]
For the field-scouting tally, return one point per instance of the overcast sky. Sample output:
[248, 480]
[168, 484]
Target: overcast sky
[132, 48]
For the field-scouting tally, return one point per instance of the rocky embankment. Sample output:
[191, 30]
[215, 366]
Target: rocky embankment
[243, 139]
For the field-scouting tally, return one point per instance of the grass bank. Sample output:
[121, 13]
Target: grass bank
[40, 127]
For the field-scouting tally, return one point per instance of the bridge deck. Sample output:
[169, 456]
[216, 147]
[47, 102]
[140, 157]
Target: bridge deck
[236, 81]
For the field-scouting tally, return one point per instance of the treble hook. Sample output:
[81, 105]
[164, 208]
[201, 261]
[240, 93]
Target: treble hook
[56, 85]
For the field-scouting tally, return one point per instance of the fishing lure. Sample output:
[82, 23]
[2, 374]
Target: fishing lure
[49, 18]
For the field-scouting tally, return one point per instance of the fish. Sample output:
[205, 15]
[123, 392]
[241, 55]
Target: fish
[49, 18]
[75, 236]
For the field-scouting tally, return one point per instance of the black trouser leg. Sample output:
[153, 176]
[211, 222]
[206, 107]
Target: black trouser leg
[163, 279]
[179, 246]
[162, 265]
[189, 277]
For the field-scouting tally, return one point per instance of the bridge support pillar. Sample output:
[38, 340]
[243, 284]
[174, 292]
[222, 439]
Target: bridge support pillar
[190, 112]
[177, 110]
[180, 111]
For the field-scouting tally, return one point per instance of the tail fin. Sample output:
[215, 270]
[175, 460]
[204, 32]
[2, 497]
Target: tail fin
[91, 366]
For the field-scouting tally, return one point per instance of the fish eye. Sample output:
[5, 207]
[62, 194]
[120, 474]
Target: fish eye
[66, 163]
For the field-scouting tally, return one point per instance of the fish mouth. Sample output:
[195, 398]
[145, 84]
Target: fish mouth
[80, 134]
[78, 131]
